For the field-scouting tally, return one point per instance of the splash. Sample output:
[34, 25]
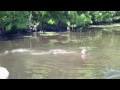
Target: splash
[54, 51]
[15, 51]
[37, 52]
[20, 50]
[112, 74]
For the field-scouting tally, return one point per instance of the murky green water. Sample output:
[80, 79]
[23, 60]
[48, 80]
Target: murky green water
[58, 56]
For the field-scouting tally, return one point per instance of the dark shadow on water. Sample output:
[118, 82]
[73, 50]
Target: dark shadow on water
[9, 38]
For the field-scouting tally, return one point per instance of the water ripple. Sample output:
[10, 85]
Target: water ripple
[36, 52]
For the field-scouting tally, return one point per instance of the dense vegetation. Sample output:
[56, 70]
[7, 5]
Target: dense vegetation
[27, 21]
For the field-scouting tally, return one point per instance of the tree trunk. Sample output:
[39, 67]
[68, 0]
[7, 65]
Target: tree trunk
[2, 30]
[58, 26]
[30, 21]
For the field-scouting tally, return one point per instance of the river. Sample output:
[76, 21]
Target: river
[58, 56]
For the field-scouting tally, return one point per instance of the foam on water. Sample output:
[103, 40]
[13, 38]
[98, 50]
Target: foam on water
[54, 51]
[20, 50]
[15, 51]
[38, 52]
[59, 51]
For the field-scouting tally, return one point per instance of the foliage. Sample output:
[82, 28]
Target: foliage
[19, 19]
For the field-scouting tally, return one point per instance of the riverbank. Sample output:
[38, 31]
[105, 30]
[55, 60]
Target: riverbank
[23, 32]
[107, 27]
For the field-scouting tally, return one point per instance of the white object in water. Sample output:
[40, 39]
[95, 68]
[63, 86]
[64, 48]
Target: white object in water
[4, 73]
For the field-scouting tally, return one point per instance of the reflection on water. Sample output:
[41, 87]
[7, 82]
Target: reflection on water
[59, 56]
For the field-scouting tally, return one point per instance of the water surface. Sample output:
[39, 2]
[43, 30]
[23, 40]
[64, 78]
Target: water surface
[58, 56]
